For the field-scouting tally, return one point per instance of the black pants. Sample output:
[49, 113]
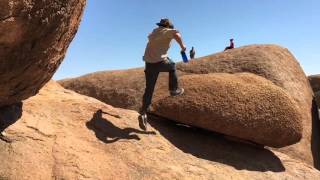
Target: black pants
[152, 71]
[228, 47]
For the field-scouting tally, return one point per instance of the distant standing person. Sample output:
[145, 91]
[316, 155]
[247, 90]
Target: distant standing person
[192, 53]
[231, 45]
[156, 61]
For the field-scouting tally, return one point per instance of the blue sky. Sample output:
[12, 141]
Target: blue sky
[113, 33]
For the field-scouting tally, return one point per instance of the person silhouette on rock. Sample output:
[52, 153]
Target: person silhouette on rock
[192, 53]
[231, 46]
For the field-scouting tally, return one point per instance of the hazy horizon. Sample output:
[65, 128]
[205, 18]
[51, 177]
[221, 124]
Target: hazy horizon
[113, 34]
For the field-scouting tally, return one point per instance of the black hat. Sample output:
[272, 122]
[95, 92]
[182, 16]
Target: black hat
[165, 23]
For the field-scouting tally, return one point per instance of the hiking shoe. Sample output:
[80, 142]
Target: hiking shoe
[177, 92]
[143, 121]
[5, 138]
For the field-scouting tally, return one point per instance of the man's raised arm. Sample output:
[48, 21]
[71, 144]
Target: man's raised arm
[178, 38]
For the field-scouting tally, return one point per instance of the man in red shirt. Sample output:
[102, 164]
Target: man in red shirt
[231, 45]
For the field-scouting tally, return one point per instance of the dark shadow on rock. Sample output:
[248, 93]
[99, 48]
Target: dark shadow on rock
[315, 136]
[10, 115]
[107, 132]
[214, 147]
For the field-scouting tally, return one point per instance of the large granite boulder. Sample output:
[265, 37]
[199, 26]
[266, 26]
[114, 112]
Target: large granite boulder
[242, 105]
[63, 135]
[272, 62]
[119, 88]
[278, 65]
[34, 37]
[122, 88]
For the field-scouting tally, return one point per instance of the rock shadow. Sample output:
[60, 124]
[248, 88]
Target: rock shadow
[214, 147]
[107, 132]
[315, 136]
[8, 116]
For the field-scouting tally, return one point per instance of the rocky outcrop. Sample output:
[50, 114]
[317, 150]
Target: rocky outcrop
[64, 135]
[241, 105]
[34, 37]
[120, 88]
[278, 65]
[272, 62]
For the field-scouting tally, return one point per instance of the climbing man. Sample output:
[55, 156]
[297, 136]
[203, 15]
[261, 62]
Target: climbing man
[192, 53]
[231, 45]
[156, 61]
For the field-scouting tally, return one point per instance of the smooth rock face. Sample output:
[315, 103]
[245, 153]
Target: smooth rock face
[269, 61]
[34, 37]
[240, 105]
[61, 135]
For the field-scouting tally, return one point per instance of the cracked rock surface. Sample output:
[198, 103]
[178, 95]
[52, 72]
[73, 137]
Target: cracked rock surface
[34, 37]
[63, 135]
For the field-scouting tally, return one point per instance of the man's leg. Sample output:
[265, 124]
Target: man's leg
[173, 80]
[151, 76]
[170, 66]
